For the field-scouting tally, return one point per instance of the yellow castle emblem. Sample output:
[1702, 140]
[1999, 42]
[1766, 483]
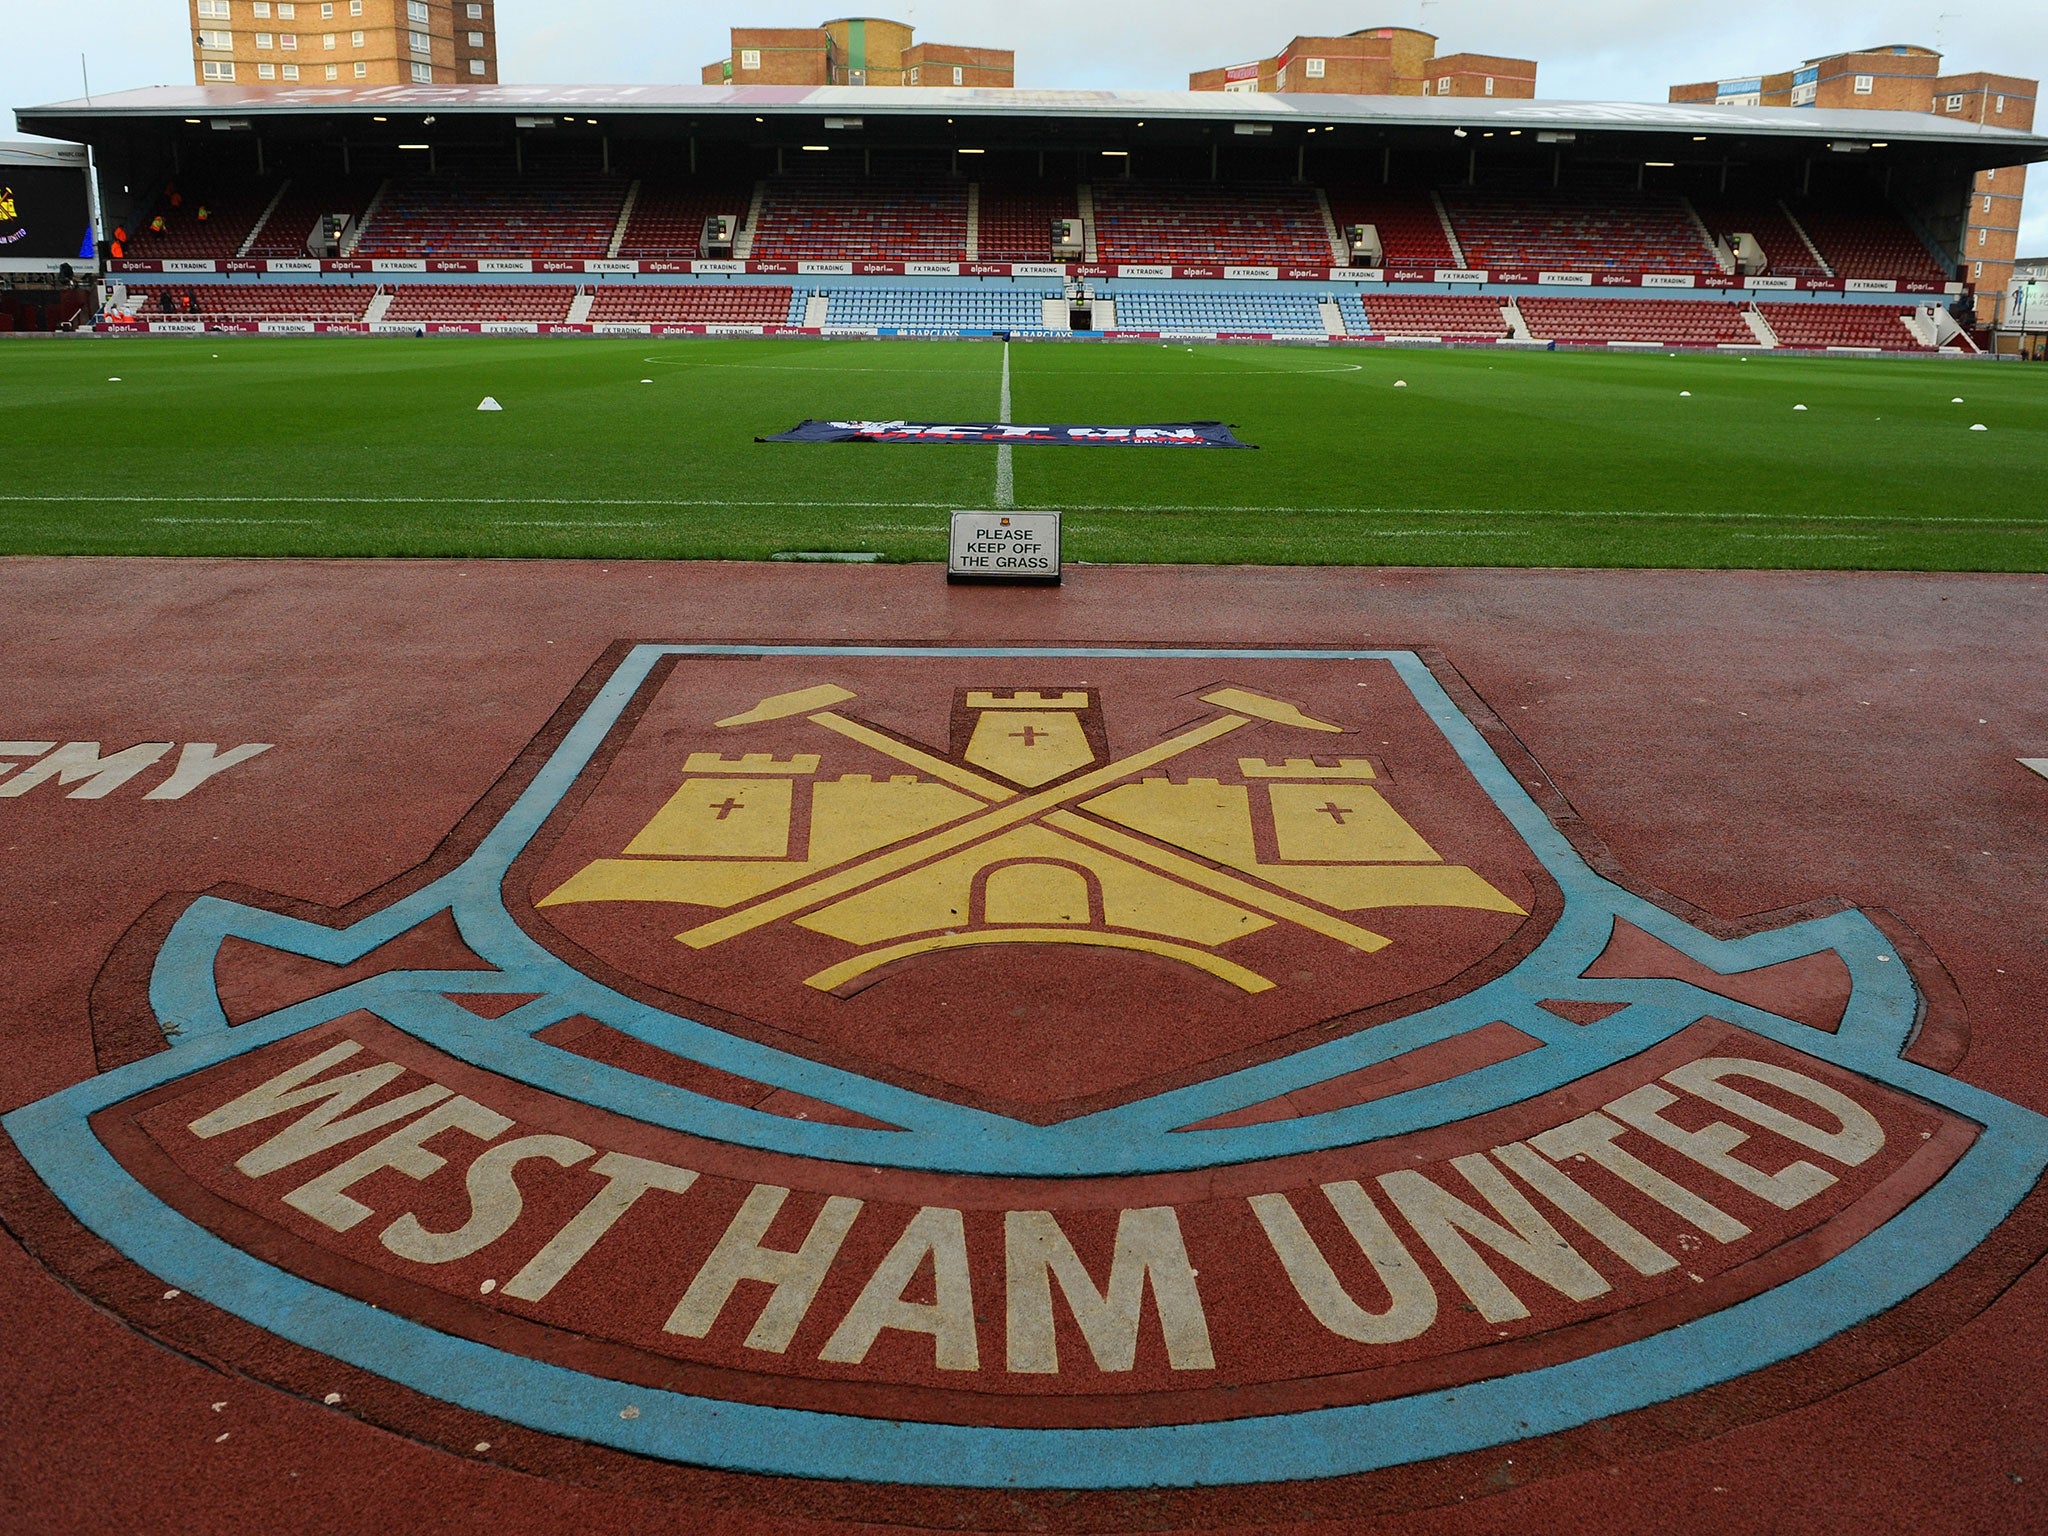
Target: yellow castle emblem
[7, 214]
[1030, 838]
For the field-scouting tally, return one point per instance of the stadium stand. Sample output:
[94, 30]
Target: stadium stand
[1880, 326]
[1788, 254]
[230, 213]
[468, 302]
[893, 218]
[1578, 232]
[668, 221]
[1411, 230]
[695, 305]
[306, 200]
[1016, 222]
[1667, 322]
[1195, 223]
[1461, 317]
[1868, 242]
[1277, 314]
[485, 214]
[263, 301]
[977, 309]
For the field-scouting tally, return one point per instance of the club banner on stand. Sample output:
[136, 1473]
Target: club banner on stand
[1172, 434]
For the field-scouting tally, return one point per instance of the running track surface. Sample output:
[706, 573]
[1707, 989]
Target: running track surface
[1747, 742]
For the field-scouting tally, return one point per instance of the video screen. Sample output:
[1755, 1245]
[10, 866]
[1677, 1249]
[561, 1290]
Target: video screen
[44, 214]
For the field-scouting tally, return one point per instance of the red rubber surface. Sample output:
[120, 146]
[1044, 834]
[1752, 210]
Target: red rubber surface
[1747, 742]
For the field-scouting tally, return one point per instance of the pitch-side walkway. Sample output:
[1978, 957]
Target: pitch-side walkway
[534, 1047]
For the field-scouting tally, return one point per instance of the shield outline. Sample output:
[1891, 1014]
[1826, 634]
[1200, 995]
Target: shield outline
[1907, 1253]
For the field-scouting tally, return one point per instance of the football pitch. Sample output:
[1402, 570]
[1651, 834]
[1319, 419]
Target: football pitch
[646, 448]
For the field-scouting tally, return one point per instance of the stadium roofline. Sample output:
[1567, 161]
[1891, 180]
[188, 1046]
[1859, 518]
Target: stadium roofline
[738, 102]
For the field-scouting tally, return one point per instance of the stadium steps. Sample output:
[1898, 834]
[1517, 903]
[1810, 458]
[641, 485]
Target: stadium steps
[1085, 194]
[625, 220]
[974, 221]
[1800, 229]
[355, 237]
[1715, 243]
[580, 306]
[743, 242]
[816, 308]
[263, 218]
[1443, 216]
[1333, 317]
[1761, 327]
[1518, 323]
[379, 306]
[1339, 255]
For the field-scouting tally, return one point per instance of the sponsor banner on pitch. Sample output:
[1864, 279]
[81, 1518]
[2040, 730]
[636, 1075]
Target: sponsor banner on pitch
[1178, 434]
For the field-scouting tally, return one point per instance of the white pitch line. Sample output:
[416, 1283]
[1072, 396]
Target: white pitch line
[240, 522]
[1006, 469]
[2038, 764]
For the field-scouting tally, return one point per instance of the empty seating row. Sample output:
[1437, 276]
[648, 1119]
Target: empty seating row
[697, 306]
[471, 302]
[980, 309]
[1410, 228]
[196, 222]
[1786, 250]
[477, 215]
[1860, 243]
[826, 219]
[1465, 317]
[1576, 233]
[1015, 223]
[1278, 314]
[1675, 322]
[669, 221]
[307, 200]
[1198, 223]
[334, 303]
[1881, 326]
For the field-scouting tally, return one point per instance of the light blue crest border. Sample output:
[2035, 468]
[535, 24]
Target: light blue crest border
[1909, 1252]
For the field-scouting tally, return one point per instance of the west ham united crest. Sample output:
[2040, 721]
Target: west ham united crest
[1030, 1068]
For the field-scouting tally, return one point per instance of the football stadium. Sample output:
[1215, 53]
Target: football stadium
[856, 799]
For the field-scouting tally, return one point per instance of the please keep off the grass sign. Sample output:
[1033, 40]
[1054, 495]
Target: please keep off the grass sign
[1004, 546]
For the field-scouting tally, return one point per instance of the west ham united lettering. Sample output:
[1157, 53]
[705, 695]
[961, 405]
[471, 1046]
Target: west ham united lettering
[1031, 1068]
[1172, 434]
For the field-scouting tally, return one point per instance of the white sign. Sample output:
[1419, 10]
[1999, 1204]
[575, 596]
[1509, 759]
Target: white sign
[1004, 546]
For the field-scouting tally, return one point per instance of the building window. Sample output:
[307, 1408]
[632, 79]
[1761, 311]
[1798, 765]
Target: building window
[327, 42]
[291, 71]
[287, 12]
[476, 39]
[218, 42]
[1443, 86]
[959, 75]
[913, 74]
[1980, 237]
[419, 42]
[1315, 69]
[1955, 103]
[423, 74]
[327, 10]
[263, 39]
[1987, 205]
[476, 13]
[355, 39]
[289, 41]
[476, 66]
[266, 71]
[750, 58]
[262, 10]
[362, 70]
[355, 7]
[1864, 84]
[213, 10]
[217, 69]
[2001, 104]
[334, 71]
[1425, 87]
[1489, 85]
[416, 10]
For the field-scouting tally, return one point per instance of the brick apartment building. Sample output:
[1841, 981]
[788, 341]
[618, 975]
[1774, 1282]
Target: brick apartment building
[1903, 77]
[344, 42]
[1378, 61]
[858, 50]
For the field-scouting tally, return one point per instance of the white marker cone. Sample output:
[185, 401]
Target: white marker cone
[1980, 427]
[1798, 407]
[1400, 383]
[1957, 401]
[491, 404]
[1685, 394]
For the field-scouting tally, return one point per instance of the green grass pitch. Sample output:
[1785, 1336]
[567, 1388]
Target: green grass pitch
[351, 447]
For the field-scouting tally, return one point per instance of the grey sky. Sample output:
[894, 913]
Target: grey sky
[1627, 50]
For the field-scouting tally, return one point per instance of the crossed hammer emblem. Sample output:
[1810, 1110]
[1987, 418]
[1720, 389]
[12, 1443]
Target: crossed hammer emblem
[1007, 807]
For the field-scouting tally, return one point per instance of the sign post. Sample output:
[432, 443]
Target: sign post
[1005, 547]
